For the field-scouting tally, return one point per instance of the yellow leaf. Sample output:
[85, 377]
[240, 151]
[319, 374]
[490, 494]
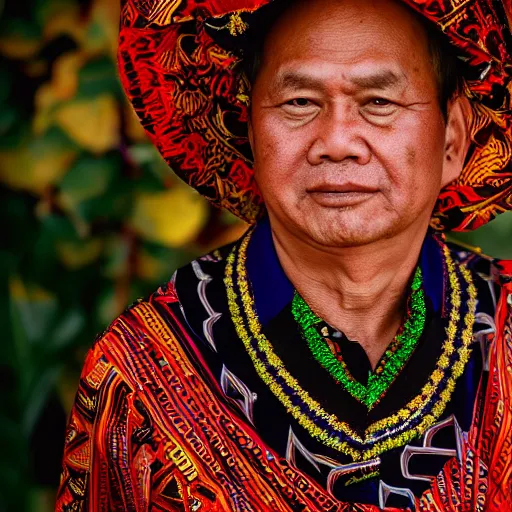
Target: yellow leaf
[65, 74]
[66, 20]
[103, 30]
[149, 267]
[62, 87]
[93, 124]
[34, 167]
[171, 218]
[19, 291]
[17, 47]
[79, 254]
[45, 103]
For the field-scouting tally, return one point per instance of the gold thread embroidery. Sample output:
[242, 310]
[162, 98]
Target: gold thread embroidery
[448, 348]
[411, 411]
[304, 421]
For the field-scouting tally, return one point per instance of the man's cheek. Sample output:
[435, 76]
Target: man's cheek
[411, 156]
[267, 144]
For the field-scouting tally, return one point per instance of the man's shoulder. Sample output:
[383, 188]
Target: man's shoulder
[166, 294]
[493, 277]
[208, 267]
[137, 343]
[150, 323]
[485, 266]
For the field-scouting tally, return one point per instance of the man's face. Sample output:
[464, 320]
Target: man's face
[347, 132]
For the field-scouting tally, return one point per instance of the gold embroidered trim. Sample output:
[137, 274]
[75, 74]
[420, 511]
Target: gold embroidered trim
[248, 328]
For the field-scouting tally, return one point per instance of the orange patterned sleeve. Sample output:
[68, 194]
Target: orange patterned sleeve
[103, 468]
[147, 432]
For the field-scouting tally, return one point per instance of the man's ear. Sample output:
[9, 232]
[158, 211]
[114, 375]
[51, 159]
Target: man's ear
[457, 139]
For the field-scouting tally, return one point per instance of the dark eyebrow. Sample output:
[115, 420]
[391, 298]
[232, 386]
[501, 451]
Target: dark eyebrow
[292, 80]
[379, 80]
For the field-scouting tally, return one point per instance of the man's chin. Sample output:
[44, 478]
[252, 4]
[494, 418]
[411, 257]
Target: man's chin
[352, 226]
[348, 232]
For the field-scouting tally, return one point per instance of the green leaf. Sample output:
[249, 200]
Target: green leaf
[88, 178]
[67, 330]
[97, 77]
[116, 256]
[40, 164]
[5, 83]
[40, 390]
[36, 314]
[16, 136]
[8, 118]
[157, 174]
[493, 238]
[156, 263]
[108, 307]
[45, 9]
[19, 38]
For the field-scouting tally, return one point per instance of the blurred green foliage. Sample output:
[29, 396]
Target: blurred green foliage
[94, 219]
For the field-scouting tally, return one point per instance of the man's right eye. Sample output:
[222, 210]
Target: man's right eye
[299, 102]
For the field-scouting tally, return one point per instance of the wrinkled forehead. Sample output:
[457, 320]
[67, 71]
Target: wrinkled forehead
[341, 26]
[350, 37]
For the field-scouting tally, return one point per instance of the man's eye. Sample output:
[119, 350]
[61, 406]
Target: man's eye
[299, 102]
[380, 102]
[380, 107]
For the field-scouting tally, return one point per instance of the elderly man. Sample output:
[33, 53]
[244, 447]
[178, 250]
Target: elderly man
[340, 356]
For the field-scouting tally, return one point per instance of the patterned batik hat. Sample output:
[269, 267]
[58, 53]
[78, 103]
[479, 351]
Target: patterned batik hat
[181, 64]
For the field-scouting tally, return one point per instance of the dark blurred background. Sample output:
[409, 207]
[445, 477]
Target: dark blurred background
[93, 219]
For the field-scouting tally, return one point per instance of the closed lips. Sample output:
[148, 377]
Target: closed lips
[340, 188]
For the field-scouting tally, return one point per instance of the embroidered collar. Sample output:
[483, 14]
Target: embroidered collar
[412, 419]
[273, 291]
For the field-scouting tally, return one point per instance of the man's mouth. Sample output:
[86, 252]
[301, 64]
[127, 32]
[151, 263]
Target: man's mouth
[340, 195]
[341, 188]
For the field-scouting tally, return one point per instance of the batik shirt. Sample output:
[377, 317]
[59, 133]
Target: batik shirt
[207, 397]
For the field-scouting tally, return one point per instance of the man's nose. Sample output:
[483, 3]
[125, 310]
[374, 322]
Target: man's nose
[339, 136]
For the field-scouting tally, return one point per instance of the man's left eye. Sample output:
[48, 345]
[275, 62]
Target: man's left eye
[379, 107]
[380, 102]
[299, 102]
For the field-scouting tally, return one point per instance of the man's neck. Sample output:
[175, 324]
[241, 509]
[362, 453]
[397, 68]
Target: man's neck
[360, 291]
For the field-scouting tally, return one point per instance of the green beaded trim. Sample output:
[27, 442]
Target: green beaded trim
[394, 359]
[388, 433]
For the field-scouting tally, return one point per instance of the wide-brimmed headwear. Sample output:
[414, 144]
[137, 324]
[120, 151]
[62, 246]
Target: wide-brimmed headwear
[181, 71]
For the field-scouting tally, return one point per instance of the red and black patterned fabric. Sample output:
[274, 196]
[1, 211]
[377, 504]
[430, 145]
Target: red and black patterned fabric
[172, 415]
[192, 97]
